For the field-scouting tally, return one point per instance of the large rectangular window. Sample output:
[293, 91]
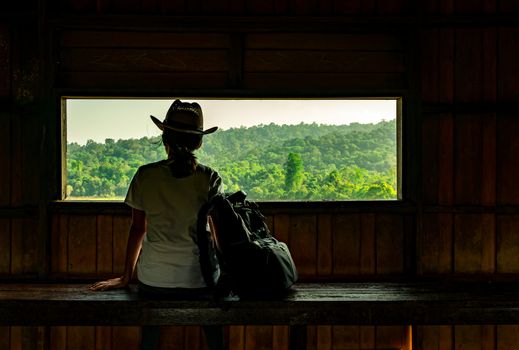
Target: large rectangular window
[273, 149]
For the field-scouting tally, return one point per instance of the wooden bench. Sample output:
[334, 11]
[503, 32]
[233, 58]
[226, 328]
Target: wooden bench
[319, 304]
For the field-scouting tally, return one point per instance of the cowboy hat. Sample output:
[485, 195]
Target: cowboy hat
[184, 117]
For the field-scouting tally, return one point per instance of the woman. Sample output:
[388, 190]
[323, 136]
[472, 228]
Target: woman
[167, 198]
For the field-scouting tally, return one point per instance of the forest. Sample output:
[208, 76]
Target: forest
[269, 162]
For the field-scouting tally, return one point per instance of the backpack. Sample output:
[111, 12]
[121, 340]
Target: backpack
[252, 262]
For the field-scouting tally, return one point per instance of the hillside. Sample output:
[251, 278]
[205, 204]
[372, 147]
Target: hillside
[270, 162]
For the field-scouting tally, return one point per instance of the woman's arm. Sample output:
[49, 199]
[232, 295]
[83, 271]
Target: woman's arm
[133, 248]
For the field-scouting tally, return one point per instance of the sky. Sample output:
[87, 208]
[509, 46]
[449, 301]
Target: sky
[99, 119]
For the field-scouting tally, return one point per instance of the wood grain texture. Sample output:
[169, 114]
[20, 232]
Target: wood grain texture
[258, 337]
[5, 246]
[58, 338]
[507, 159]
[140, 60]
[5, 61]
[237, 337]
[322, 61]
[5, 337]
[507, 337]
[474, 243]
[125, 338]
[389, 244]
[193, 338]
[325, 245]
[82, 247]
[104, 241]
[80, 338]
[469, 65]
[328, 42]
[103, 337]
[474, 337]
[141, 40]
[144, 80]
[346, 244]
[435, 244]
[508, 55]
[507, 244]
[435, 337]
[121, 229]
[5, 157]
[368, 261]
[280, 337]
[393, 337]
[303, 244]
[24, 247]
[324, 339]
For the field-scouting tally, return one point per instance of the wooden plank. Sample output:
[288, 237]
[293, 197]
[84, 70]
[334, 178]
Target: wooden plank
[259, 7]
[323, 61]
[149, 6]
[237, 337]
[193, 337]
[346, 238]
[490, 53]
[258, 337]
[389, 244]
[469, 6]
[474, 337]
[24, 247]
[126, 6]
[322, 80]
[445, 159]
[468, 65]
[435, 337]
[103, 337]
[324, 338]
[430, 54]
[367, 259]
[435, 244]
[303, 243]
[144, 80]
[58, 338]
[474, 243]
[282, 227]
[468, 159]
[104, 244]
[5, 246]
[128, 338]
[507, 244]
[507, 159]
[393, 7]
[172, 337]
[5, 61]
[345, 337]
[392, 337]
[171, 7]
[142, 40]
[507, 337]
[82, 244]
[59, 243]
[16, 161]
[326, 42]
[508, 56]
[446, 64]
[121, 229]
[488, 159]
[32, 131]
[508, 6]
[5, 340]
[5, 158]
[430, 159]
[280, 337]
[16, 338]
[367, 337]
[144, 60]
[324, 245]
[349, 7]
[81, 338]
[311, 338]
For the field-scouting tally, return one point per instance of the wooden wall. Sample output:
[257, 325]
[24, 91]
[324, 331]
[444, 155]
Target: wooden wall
[453, 61]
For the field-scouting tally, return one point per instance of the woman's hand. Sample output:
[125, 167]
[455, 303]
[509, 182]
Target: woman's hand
[113, 283]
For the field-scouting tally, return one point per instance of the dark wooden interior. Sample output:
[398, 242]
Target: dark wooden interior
[453, 62]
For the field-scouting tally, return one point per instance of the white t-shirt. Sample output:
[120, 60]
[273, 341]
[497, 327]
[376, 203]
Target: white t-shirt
[169, 256]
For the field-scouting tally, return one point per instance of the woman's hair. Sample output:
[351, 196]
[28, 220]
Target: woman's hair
[181, 151]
